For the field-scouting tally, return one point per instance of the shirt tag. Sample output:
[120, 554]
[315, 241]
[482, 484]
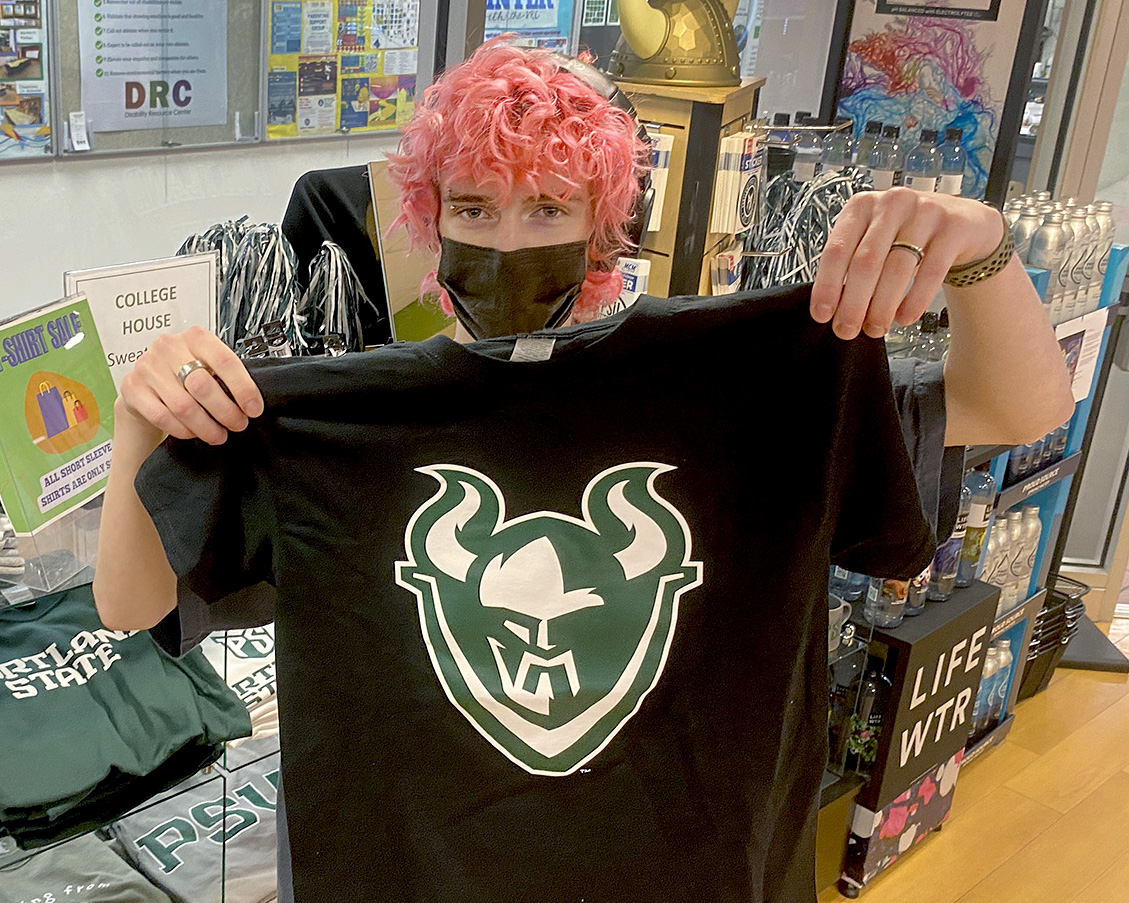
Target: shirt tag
[529, 349]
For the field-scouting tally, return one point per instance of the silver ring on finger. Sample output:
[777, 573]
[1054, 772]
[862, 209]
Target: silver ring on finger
[182, 373]
[917, 252]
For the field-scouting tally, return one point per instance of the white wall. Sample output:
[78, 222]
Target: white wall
[90, 211]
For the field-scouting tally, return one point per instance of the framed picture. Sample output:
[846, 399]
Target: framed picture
[28, 110]
[902, 69]
[27, 66]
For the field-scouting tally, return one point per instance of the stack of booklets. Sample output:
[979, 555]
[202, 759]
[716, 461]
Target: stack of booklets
[736, 196]
[661, 145]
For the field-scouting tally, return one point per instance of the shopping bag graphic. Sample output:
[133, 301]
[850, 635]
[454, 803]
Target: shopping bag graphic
[61, 413]
[51, 407]
[68, 407]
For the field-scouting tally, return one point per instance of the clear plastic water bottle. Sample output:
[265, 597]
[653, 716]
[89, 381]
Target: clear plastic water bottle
[836, 153]
[982, 486]
[885, 161]
[864, 143]
[856, 586]
[923, 164]
[885, 602]
[837, 580]
[1018, 463]
[953, 161]
[809, 150]
[947, 559]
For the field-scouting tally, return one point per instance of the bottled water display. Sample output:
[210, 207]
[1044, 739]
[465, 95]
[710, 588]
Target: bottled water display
[864, 144]
[836, 154]
[953, 161]
[885, 159]
[923, 164]
[982, 487]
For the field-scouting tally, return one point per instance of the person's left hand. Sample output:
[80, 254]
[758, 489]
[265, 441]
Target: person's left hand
[863, 280]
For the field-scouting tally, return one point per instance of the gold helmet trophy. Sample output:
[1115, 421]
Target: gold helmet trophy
[677, 42]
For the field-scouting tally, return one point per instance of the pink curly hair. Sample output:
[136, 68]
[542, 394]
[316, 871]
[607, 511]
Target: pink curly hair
[507, 118]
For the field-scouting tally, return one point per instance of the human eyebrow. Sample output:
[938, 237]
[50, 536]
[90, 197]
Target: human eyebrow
[569, 204]
[466, 199]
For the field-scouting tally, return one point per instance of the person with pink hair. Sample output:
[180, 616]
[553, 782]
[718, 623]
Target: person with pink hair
[525, 178]
[538, 143]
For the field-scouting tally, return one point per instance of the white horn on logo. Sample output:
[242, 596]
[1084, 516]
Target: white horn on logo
[648, 547]
[441, 544]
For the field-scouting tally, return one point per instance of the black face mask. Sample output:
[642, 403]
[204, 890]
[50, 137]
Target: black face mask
[501, 293]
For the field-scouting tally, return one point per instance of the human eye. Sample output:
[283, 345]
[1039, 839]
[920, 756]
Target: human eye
[469, 212]
[552, 211]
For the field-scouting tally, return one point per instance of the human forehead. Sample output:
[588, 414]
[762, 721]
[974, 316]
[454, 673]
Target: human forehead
[552, 187]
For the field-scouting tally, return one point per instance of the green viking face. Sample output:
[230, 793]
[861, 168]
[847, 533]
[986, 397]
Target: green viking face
[547, 631]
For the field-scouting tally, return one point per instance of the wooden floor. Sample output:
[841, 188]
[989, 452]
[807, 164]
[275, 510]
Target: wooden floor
[1041, 818]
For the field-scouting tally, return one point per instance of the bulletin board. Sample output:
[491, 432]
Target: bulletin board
[25, 114]
[340, 66]
[160, 73]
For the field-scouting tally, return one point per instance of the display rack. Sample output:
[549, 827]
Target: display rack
[697, 119]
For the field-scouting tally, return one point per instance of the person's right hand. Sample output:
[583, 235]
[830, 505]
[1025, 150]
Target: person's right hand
[152, 394]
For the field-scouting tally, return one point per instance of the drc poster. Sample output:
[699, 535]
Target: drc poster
[152, 64]
[56, 414]
[935, 65]
[337, 66]
[25, 114]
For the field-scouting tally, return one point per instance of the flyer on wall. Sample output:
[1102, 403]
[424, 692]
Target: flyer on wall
[25, 115]
[153, 64]
[340, 66]
[56, 414]
[546, 24]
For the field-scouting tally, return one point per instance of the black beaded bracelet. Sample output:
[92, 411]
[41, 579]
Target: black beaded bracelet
[974, 271]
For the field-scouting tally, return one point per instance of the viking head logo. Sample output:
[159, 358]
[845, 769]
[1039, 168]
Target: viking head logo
[547, 631]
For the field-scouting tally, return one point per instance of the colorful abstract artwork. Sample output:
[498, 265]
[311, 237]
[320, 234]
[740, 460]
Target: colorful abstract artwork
[929, 70]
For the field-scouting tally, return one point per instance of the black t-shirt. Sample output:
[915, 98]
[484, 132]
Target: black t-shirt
[554, 630]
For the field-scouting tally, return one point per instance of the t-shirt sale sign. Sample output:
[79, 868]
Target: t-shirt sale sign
[56, 414]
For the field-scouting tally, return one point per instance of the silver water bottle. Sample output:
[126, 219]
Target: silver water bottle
[1093, 278]
[1012, 209]
[1087, 245]
[1080, 239]
[1050, 250]
[1029, 221]
[1109, 229]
